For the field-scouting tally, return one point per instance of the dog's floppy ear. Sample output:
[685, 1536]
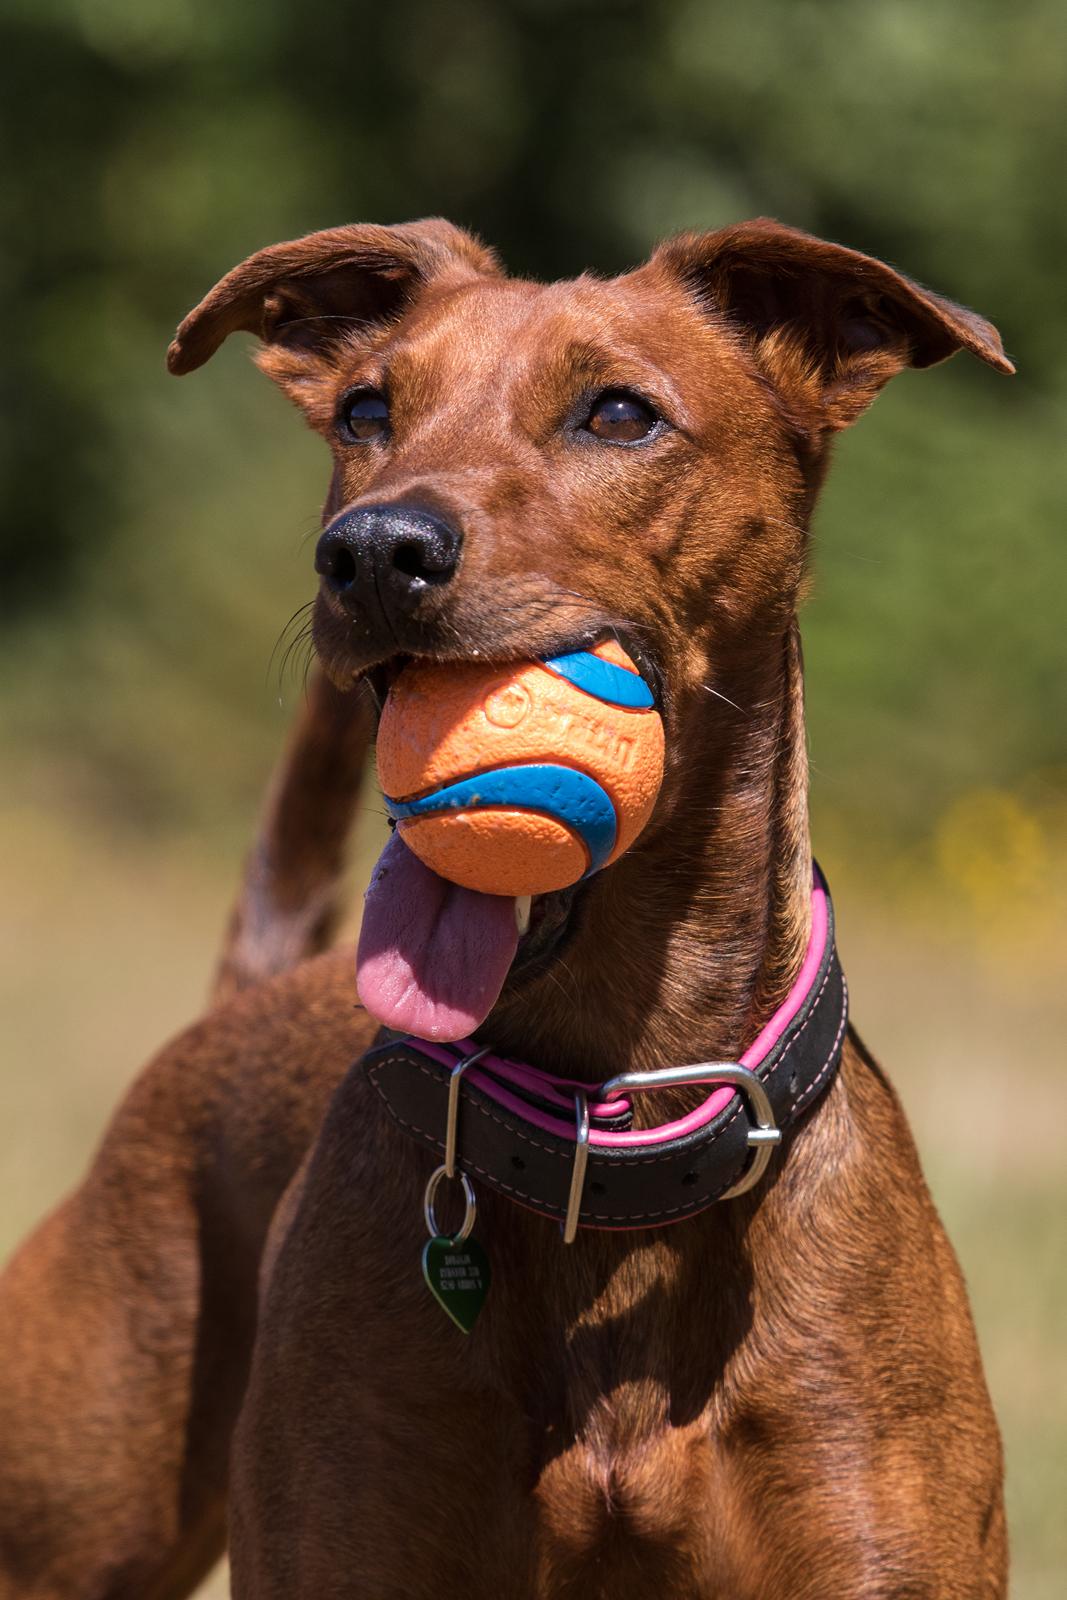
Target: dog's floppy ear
[303, 293]
[827, 325]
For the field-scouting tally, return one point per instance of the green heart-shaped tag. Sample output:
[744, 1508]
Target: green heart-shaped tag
[457, 1275]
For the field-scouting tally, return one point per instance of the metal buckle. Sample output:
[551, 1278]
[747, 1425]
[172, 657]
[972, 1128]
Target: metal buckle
[581, 1161]
[761, 1139]
[448, 1169]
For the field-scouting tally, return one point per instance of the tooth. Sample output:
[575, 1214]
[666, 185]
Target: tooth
[522, 912]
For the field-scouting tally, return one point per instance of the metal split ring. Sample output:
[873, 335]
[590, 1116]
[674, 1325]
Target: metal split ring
[431, 1216]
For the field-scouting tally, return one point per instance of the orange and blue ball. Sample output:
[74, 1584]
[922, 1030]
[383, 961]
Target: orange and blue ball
[521, 780]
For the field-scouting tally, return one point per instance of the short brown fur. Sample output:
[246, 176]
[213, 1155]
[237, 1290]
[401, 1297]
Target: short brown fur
[779, 1397]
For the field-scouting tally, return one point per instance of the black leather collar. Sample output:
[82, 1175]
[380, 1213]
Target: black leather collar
[517, 1130]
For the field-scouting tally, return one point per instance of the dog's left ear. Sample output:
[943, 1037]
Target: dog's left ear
[828, 326]
[299, 297]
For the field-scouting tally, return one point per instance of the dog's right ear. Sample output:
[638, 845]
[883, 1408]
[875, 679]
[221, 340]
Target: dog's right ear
[827, 325]
[305, 294]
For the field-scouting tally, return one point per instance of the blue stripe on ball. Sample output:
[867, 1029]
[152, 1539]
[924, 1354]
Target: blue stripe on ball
[602, 679]
[570, 796]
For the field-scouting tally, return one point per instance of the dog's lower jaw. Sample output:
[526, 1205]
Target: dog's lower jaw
[741, 911]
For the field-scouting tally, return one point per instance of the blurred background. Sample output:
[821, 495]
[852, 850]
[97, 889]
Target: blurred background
[156, 533]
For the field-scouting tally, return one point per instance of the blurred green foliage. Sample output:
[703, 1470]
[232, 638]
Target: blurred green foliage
[151, 532]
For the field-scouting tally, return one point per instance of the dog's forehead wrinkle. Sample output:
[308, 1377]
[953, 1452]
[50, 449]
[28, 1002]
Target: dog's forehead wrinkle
[504, 332]
[471, 318]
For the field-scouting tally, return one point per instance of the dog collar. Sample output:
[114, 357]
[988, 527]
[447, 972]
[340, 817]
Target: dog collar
[568, 1150]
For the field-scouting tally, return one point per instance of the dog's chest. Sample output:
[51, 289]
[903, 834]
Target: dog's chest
[634, 1506]
[632, 1491]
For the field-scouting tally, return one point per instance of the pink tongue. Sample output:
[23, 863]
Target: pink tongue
[432, 957]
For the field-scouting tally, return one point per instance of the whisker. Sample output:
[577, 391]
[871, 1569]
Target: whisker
[300, 641]
[312, 531]
[790, 527]
[573, 998]
[309, 657]
[707, 688]
[299, 613]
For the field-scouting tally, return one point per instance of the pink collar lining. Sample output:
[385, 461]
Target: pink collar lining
[559, 1091]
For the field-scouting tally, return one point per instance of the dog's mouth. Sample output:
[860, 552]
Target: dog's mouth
[433, 956]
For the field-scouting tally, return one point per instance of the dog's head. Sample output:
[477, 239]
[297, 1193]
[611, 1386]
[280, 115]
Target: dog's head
[520, 468]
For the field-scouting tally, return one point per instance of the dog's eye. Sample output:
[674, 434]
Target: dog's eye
[365, 414]
[620, 417]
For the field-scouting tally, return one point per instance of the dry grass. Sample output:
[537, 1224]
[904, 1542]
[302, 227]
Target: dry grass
[107, 946]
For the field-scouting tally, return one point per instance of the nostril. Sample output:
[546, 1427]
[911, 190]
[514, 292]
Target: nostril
[432, 561]
[410, 559]
[339, 568]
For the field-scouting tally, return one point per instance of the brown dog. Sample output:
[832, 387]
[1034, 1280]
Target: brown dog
[779, 1395]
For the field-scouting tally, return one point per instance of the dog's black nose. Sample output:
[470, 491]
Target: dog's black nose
[389, 553]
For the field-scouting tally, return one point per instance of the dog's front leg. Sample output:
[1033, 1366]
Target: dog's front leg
[379, 1453]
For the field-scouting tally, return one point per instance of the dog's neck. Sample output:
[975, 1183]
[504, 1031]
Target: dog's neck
[686, 947]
